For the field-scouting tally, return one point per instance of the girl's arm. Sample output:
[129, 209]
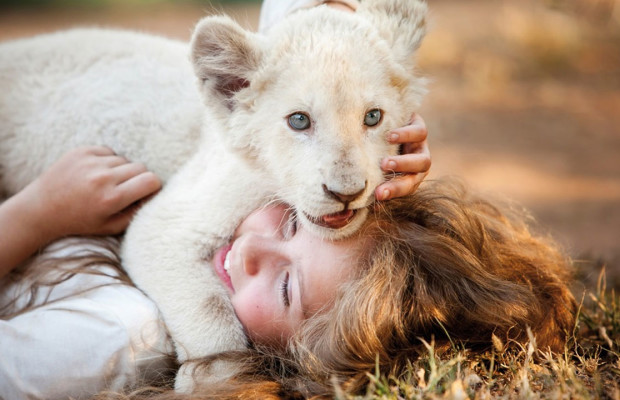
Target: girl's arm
[89, 191]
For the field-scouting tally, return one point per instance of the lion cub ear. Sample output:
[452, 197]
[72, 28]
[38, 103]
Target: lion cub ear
[402, 23]
[224, 56]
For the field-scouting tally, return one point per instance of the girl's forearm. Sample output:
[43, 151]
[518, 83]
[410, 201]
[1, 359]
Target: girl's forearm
[21, 232]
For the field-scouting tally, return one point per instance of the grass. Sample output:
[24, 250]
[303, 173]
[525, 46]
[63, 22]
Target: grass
[589, 367]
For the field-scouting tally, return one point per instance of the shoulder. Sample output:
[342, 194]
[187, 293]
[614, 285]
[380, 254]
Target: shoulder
[109, 338]
[94, 332]
[273, 11]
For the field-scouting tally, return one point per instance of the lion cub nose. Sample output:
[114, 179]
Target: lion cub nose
[342, 197]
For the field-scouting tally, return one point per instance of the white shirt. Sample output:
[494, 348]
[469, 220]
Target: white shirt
[273, 11]
[87, 333]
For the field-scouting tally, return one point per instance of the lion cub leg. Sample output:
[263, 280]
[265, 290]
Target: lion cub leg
[169, 245]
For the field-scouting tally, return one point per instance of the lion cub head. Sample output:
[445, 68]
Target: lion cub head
[312, 101]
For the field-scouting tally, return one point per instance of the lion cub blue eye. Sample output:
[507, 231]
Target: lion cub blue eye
[372, 118]
[299, 121]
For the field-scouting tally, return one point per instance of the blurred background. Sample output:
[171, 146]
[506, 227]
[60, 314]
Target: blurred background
[524, 98]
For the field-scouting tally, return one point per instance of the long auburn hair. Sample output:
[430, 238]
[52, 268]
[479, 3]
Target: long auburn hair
[444, 264]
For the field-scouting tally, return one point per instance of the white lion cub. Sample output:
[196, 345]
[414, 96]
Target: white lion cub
[298, 115]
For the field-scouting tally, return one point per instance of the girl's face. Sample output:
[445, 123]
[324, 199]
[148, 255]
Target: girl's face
[278, 274]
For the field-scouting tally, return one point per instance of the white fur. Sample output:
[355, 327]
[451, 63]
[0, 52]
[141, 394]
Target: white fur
[136, 94]
[132, 92]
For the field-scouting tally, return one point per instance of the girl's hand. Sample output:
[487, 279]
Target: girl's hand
[90, 191]
[344, 5]
[414, 162]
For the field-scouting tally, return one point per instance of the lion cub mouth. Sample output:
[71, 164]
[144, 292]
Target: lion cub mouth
[334, 221]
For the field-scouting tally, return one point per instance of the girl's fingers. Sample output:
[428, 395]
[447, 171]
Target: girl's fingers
[118, 222]
[126, 171]
[104, 156]
[97, 150]
[399, 186]
[415, 132]
[113, 161]
[134, 189]
[413, 163]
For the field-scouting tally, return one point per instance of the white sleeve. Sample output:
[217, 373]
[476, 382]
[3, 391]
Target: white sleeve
[107, 337]
[273, 11]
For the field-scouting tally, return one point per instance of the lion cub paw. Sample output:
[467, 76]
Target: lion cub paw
[196, 374]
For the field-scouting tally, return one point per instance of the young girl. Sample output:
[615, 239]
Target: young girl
[440, 263]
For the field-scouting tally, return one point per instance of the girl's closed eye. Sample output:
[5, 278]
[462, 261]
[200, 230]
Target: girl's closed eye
[290, 228]
[284, 290]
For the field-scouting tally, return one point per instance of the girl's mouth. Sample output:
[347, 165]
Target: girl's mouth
[221, 265]
[227, 262]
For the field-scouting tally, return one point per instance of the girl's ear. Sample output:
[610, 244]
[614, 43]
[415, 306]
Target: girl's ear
[224, 56]
[402, 23]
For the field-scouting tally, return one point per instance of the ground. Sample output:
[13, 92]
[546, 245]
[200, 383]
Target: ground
[524, 101]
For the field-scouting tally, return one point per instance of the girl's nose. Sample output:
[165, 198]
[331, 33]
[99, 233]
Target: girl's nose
[260, 253]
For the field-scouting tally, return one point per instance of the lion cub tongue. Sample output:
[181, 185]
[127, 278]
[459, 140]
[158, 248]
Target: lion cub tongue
[337, 220]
